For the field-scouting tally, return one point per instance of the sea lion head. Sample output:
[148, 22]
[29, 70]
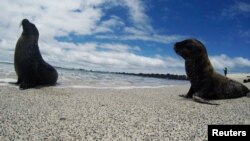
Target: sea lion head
[190, 49]
[29, 29]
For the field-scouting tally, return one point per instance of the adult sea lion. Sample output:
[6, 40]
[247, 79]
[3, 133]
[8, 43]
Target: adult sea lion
[205, 82]
[30, 67]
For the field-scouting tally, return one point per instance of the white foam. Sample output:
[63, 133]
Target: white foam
[94, 80]
[115, 87]
[7, 80]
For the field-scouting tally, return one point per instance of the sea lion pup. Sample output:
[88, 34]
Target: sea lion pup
[30, 67]
[205, 82]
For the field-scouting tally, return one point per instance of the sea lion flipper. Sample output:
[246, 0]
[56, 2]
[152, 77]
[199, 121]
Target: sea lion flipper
[203, 101]
[248, 94]
[184, 96]
[189, 94]
[24, 85]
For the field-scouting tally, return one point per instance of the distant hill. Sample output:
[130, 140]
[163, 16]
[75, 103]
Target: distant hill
[156, 75]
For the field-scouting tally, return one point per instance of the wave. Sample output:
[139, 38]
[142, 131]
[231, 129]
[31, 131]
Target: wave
[116, 87]
[80, 78]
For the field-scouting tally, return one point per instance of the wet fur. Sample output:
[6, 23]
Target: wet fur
[206, 84]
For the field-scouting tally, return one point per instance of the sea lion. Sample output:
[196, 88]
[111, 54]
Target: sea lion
[30, 67]
[246, 80]
[206, 84]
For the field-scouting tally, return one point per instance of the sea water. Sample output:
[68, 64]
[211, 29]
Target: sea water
[76, 78]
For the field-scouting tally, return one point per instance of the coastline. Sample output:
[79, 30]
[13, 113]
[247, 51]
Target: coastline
[52, 113]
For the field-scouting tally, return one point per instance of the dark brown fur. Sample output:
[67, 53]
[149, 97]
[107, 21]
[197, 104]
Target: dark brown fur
[30, 67]
[205, 82]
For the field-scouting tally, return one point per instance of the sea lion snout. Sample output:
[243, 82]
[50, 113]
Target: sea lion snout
[177, 44]
[177, 47]
[190, 49]
[180, 49]
[25, 21]
[180, 46]
[29, 28]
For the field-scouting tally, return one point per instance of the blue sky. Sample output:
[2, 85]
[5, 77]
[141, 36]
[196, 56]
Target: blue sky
[130, 35]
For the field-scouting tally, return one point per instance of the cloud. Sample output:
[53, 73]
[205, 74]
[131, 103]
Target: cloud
[245, 33]
[134, 31]
[221, 61]
[155, 38]
[54, 19]
[138, 16]
[243, 7]
[109, 25]
[61, 18]
[113, 57]
[235, 11]
[238, 8]
[119, 47]
[165, 39]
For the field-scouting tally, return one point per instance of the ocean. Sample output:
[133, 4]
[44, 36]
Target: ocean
[76, 78]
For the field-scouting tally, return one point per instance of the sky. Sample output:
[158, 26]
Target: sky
[130, 35]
